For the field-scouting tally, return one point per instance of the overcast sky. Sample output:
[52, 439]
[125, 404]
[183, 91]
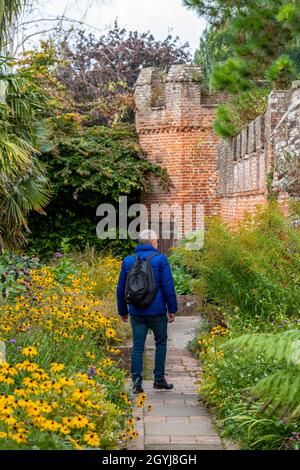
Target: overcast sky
[158, 16]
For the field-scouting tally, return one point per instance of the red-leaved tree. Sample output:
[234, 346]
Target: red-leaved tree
[100, 72]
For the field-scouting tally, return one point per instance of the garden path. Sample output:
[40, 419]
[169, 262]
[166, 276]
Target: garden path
[177, 419]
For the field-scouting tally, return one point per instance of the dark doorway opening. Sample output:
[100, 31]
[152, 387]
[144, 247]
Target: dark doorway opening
[166, 237]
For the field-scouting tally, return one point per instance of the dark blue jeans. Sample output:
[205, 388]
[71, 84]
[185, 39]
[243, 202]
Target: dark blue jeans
[140, 326]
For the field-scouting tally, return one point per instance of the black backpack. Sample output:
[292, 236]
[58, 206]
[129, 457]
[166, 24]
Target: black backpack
[140, 288]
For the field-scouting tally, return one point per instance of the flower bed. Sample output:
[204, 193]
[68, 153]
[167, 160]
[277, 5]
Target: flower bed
[60, 387]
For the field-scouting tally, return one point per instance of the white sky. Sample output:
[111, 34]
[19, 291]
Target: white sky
[158, 16]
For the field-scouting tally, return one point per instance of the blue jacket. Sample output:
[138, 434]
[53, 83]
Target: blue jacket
[165, 299]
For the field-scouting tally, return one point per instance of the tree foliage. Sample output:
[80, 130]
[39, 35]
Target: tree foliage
[100, 72]
[88, 166]
[214, 47]
[261, 41]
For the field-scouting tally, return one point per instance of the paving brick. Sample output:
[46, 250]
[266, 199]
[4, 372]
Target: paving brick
[182, 447]
[157, 418]
[214, 440]
[157, 439]
[183, 440]
[177, 419]
[178, 410]
[203, 427]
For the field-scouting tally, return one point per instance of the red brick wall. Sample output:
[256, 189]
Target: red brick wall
[179, 136]
[246, 163]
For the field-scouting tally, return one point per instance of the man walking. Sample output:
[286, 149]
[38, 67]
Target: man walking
[148, 310]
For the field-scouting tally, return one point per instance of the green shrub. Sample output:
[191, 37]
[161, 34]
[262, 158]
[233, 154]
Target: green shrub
[182, 277]
[230, 374]
[239, 110]
[87, 168]
[253, 271]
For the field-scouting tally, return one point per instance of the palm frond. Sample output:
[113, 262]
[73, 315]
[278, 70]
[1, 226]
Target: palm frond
[278, 347]
[279, 392]
[15, 155]
[9, 9]
[32, 192]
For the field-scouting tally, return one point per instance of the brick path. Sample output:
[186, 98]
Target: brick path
[177, 419]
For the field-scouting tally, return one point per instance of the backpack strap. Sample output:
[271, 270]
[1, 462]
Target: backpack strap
[152, 256]
[148, 258]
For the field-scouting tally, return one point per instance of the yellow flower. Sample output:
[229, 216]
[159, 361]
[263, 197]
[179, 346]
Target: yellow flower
[114, 350]
[133, 434]
[10, 420]
[80, 394]
[3, 435]
[20, 438]
[92, 439]
[90, 355]
[76, 445]
[11, 370]
[46, 386]
[51, 425]
[7, 380]
[67, 420]
[30, 351]
[20, 392]
[66, 381]
[30, 383]
[79, 422]
[110, 333]
[64, 430]
[23, 365]
[40, 375]
[56, 367]
[46, 408]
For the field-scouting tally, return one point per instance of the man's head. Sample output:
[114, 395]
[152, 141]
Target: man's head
[148, 237]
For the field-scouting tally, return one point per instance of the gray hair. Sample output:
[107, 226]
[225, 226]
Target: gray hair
[147, 235]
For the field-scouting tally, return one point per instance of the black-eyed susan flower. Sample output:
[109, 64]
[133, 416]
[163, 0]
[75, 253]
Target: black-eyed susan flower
[92, 439]
[30, 351]
[20, 438]
[56, 367]
[110, 333]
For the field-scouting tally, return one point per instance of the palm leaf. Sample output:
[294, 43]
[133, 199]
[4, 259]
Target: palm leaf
[280, 391]
[9, 9]
[280, 347]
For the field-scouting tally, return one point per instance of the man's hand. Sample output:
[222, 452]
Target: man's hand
[124, 318]
[171, 317]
